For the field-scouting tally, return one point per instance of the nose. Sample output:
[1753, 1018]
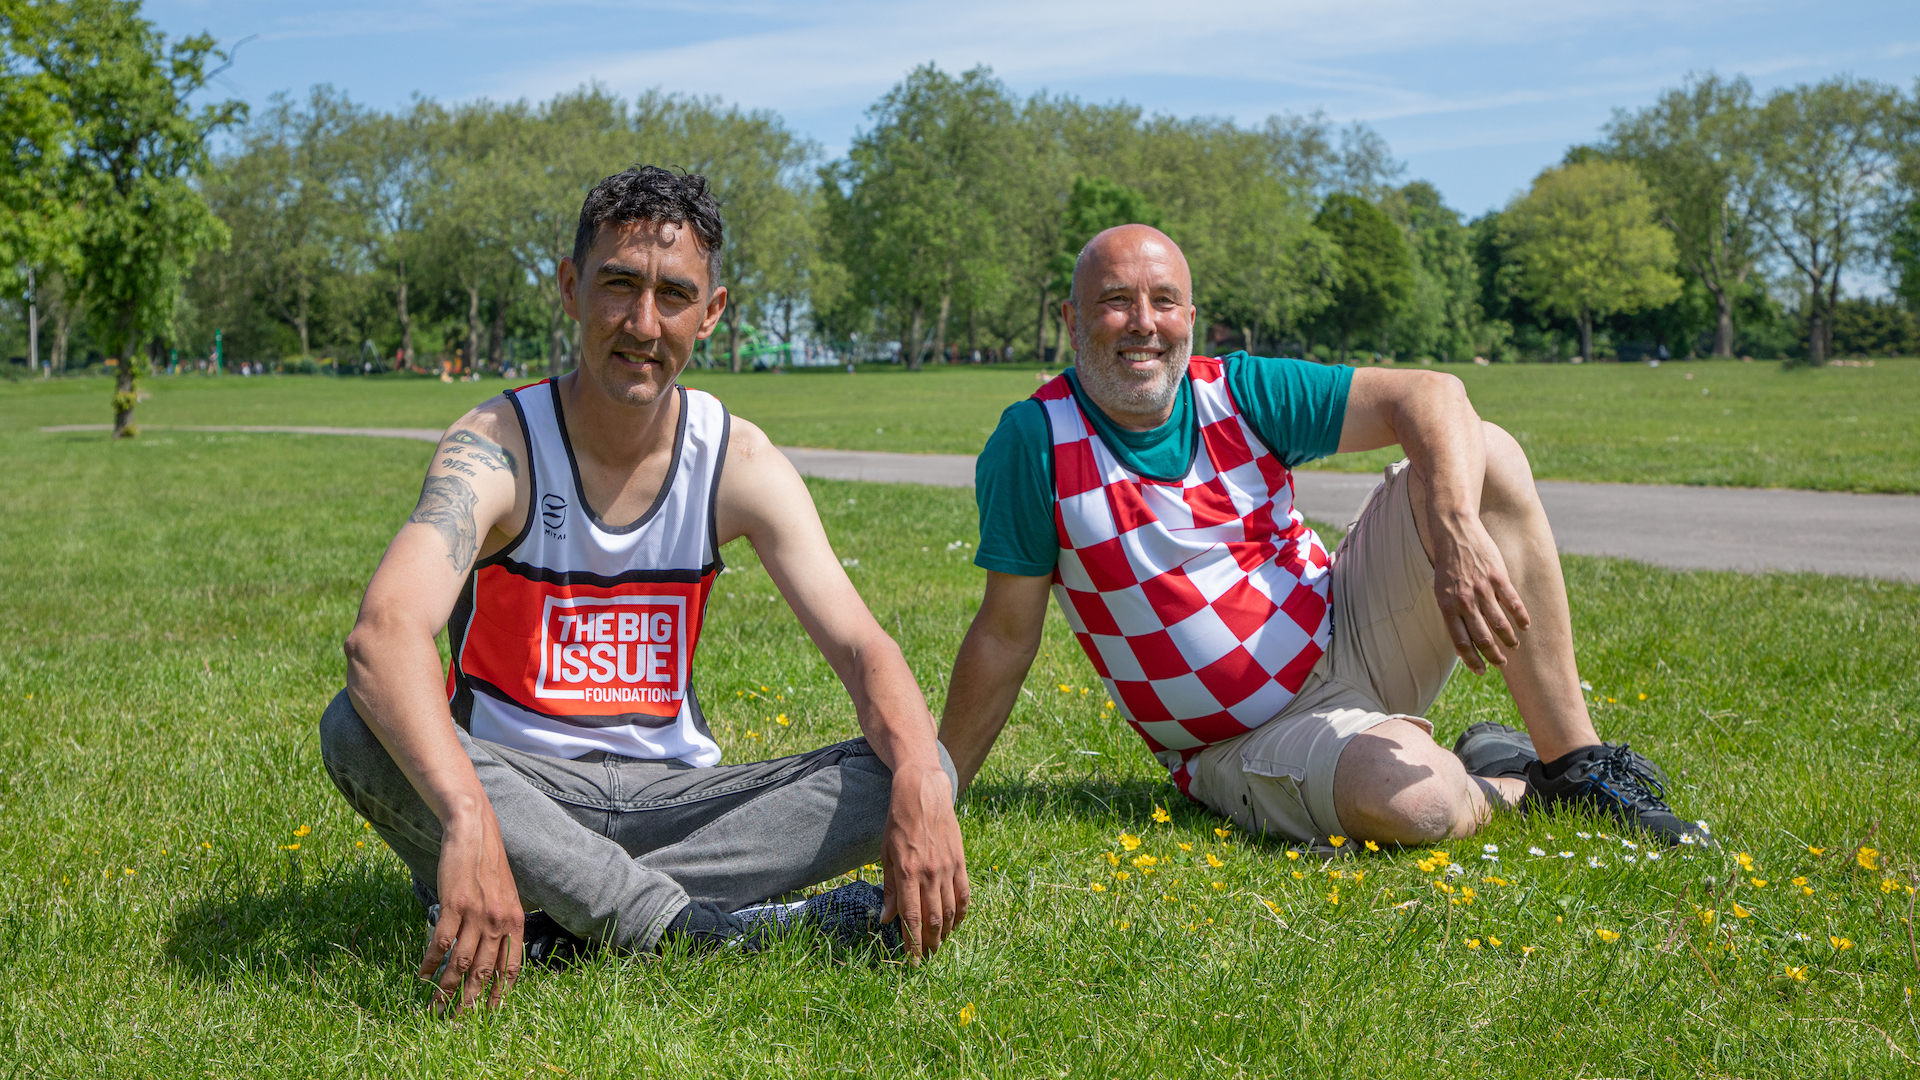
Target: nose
[643, 318]
[1140, 316]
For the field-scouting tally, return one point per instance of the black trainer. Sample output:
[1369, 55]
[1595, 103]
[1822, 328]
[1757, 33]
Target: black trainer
[849, 915]
[1612, 778]
[1488, 749]
[1609, 778]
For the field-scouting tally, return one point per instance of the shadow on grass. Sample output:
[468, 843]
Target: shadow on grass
[343, 932]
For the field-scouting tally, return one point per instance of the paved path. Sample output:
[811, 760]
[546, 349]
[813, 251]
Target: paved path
[1688, 528]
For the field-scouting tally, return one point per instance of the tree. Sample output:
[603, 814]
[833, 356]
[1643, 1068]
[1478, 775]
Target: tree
[136, 145]
[1586, 244]
[39, 221]
[389, 184]
[1831, 155]
[921, 195]
[1698, 149]
[1443, 314]
[1376, 271]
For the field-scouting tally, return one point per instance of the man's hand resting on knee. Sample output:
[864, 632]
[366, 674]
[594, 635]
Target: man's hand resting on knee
[476, 944]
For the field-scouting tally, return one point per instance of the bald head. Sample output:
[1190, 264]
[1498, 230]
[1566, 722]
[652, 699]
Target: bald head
[1131, 316]
[1101, 260]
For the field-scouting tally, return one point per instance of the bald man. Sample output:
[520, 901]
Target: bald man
[1150, 491]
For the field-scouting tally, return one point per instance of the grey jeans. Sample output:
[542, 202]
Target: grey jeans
[613, 847]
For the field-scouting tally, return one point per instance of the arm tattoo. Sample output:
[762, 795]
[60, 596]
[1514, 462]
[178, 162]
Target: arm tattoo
[482, 449]
[446, 503]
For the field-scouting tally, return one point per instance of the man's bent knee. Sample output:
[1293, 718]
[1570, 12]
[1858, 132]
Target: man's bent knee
[1395, 784]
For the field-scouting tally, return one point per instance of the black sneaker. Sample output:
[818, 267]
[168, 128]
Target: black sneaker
[1612, 778]
[849, 915]
[1489, 750]
[543, 942]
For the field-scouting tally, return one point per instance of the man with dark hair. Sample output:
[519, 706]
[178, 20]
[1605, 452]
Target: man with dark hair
[567, 537]
[1150, 492]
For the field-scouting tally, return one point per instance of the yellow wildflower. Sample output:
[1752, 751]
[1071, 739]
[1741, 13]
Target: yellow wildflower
[289, 847]
[1336, 875]
[1359, 874]
[206, 845]
[1121, 875]
[1427, 866]
[1222, 833]
[1160, 815]
[1888, 885]
[1371, 846]
[1112, 859]
[1064, 688]
[1740, 912]
[1745, 860]
[1839, 944]
[366, 824]
[1145, 861]
[303, 830]
[1124, 925]
[1186, 847]
[1214, 860]
[1467, 893]
[1293, 855]
[1706, 917]
[1334, 898]
[1443, 887]
[1527, 950]
[1811, 850]
[1493, 941]
[1608, 936]
[1440, 857]
[130, 871]
[1097, 887]
[967, 1013]
[1866, 857]
[1108, 705]
[1800, 881]
[1129, 841]
[1337, 841]
[1759, 882]
[1643, 697]
[1806, 890]
[1271, 906]
[1473, 943]
[359, 843]
[1297, 875]
[1220, 885]
[1797, 974]
[782, 720]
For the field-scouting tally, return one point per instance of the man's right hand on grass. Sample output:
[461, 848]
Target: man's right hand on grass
[476, 944]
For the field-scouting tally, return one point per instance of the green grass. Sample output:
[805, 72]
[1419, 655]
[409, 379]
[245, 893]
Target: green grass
[170, 616]
[1730, 424]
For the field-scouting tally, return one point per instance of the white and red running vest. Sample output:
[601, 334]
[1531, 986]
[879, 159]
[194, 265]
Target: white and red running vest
[579, 635]
[1202, 602]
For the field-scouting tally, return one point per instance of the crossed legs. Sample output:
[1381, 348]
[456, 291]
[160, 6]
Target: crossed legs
[1393, 782]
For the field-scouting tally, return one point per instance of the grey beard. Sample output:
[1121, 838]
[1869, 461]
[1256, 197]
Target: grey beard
[1113, 391]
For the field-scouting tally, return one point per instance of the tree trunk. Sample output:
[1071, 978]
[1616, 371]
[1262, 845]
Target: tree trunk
[1723, 324]
[913, 336]
[1342, 358]
[1040, 330]
[1059, 339]
[556, 341]
[301, 320]
[1586, 336]
[472, 358]
[497, 338]
[125, 397]
[733, 344]
[406, 322]
[1817, 336]
[973, 336]
[940, 327]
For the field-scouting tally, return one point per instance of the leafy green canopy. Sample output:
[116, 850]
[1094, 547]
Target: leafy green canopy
[1376, 269]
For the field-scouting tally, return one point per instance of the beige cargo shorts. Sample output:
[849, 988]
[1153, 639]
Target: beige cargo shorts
[1389, 659]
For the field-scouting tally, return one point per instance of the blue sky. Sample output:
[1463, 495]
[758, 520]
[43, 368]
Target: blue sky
[1476, 96]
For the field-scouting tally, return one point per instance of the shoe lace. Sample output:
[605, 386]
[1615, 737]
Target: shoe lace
[1623, 774]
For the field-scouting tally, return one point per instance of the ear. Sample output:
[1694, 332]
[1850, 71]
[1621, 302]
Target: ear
[569, 280]
[1069, 315]
[716, 306]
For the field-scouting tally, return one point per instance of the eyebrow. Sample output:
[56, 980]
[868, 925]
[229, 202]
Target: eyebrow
[618, 270]
[1159, 287]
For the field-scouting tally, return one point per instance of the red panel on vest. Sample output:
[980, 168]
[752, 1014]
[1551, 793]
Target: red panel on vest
[1159, 657]
[1093, 613]
[1106, 564]
[1294, 675]
[1129, 508]
[1245, 610]
[585, 650]
[1173, 597]
[1305, 607]
[1074, 469]
[1226, 444]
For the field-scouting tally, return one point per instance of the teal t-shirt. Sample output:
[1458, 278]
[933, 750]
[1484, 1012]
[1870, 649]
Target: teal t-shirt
[1295, 407]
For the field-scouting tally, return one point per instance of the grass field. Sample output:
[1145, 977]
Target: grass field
[1731, 424]
[182, 893]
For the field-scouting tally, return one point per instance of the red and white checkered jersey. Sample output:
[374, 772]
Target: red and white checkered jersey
[1202, 602]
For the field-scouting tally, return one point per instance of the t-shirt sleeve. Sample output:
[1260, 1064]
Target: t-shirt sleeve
[1013, 485]
[1296, 407]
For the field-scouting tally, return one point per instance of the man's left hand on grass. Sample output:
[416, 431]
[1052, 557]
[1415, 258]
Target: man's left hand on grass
[924, 861]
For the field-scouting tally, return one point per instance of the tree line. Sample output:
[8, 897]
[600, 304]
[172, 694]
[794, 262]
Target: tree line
[1713, 221]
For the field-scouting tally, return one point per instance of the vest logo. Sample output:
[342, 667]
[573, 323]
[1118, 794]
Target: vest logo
[613, 649]
[553, 511]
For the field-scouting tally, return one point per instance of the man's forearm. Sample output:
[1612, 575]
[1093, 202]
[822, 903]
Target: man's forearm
[1445, 445]
[987, 674]
[394, 680]
[889, 705]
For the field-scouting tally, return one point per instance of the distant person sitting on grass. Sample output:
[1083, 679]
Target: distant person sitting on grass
[1150, 492]
[567, 537]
